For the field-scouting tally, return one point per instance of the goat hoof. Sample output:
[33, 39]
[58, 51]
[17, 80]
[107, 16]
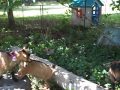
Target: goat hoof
[15, 79]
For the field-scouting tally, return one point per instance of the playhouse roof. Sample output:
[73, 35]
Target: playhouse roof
[81, 3]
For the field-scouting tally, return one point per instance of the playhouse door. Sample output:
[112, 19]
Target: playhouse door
[95, 14]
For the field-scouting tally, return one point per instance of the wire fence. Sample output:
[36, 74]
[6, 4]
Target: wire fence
[32, 18]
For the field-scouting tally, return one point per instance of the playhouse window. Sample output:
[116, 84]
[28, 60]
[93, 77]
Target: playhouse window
[94, 8]
[93, 12]
[79, 12]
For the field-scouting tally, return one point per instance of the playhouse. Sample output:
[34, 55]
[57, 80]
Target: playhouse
[86, 12]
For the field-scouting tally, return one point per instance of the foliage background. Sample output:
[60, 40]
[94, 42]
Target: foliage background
[75, 48]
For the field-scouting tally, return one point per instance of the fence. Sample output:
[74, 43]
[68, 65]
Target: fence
[36, 20]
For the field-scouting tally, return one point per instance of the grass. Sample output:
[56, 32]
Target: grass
[111, 19]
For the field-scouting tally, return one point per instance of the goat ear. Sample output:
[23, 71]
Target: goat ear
[25, 47]
[16, 53]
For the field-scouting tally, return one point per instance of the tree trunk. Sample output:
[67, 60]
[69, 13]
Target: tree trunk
[68, 80]
[11, 21]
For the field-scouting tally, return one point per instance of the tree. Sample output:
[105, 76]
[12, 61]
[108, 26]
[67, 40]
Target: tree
[115, 4]
[8, 6]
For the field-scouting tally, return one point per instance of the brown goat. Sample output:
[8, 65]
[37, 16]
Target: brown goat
[8, 60]
[114, 73]
[37, 69]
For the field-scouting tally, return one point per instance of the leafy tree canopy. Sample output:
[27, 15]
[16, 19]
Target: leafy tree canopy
[6, 4]
[115, 4]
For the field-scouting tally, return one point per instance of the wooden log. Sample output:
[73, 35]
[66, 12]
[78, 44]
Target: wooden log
[68, 80]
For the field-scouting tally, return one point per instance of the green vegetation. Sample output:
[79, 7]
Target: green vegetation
[111, 19]
[115, 4]
[74, 49]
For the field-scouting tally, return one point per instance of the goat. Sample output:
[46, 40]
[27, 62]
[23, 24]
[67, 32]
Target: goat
[114, 73]
[8, 61]
[39, 70]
